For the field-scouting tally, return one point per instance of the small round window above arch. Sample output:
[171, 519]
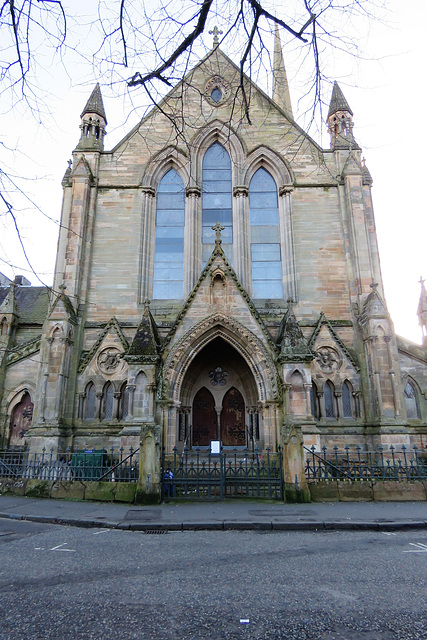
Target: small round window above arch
[217, 90]
[216, 95]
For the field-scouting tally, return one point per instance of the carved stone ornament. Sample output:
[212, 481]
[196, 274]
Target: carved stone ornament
[216, 82]
[328, 359]
[109, 360]
[218, 376]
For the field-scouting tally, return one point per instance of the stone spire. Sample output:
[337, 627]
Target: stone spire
[340, 121]
[281, 95]
[93, 123]
[422, 312]
[95, 105]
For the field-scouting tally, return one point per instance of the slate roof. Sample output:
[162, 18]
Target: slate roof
[31, 303]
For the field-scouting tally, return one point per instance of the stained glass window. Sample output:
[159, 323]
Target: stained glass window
[329, 399]
[169, 248]
[347, 401]
[217, 201]
[90, 402]
[265, 237]
[410, 401]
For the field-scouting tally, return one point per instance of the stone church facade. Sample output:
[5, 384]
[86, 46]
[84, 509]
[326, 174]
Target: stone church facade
[215, 279]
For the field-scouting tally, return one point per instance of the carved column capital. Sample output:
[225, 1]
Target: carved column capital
[286, 190]
[193, 192]
[148, 191]
[240, 192]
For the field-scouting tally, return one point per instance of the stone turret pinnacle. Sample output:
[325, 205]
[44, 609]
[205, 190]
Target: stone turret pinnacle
[93, 123]
[281, 95]
[340, 121]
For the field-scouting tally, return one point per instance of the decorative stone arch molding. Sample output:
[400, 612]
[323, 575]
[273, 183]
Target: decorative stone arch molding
[168, 158]
[218, 131]
[246, 343]
[265, 158]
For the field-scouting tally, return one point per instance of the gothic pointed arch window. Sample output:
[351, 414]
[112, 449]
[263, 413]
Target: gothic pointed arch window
[168, 281]
[123, 402]
[3, 327]
[108, 401]
[266, 256]
[314, 401]
[411, 403]
[329, 399]
[90, 402]
[216, 200]
[347, 400]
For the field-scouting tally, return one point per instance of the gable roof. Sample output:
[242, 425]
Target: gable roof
[32, 303]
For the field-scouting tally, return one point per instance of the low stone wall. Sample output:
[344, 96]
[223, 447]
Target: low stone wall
[73, 490]
[387, 490]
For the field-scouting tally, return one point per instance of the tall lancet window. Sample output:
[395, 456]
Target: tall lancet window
[217, 201]
[169, 249]
[265, 237]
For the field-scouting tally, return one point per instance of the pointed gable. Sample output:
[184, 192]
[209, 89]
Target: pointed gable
[338, 101]
[323, 334]
[291, 341]
[145, 345]
[218, 290]
[112, 334]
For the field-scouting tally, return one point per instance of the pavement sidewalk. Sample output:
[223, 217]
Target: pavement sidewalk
[241, 515]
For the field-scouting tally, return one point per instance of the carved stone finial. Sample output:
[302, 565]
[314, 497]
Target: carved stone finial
[146, 303]
[373, 284]
[215, 33]
[421, 281]
[62, 287]
[218, 228]
[70, 162]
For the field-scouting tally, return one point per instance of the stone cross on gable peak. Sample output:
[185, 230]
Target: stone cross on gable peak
[218, 228]
[215, 32]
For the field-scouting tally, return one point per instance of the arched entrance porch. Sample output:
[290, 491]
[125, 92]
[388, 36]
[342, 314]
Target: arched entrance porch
[219, 400]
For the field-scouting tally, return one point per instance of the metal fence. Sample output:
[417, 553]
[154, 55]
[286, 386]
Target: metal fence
[112, 465]
[357, 464]
[198, 474]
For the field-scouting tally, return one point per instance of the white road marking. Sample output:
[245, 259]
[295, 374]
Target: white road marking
[58, 548]
[387, 533]
[103, 531]
[420, 548]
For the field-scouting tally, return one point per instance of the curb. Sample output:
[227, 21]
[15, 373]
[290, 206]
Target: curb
[224, 525]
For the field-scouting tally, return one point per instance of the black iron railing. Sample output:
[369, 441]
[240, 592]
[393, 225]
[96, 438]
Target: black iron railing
[354, 463]
[198, 474]
[114, 464]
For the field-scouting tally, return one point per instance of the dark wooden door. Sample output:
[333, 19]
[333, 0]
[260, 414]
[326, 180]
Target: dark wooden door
[233, 419]
[20, 421]
[205, 422]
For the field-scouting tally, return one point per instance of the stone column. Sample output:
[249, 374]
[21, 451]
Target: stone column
[192, 244]
[295, 484]
[286, 239]
[241, 234]
[147, 241]
[98, 405]
[149, 481]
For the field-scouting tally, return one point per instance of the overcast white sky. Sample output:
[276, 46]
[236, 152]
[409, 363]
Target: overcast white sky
[384, 90]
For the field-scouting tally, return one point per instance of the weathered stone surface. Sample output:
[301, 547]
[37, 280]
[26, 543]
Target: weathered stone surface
[355, 491]
[324, 492]
[396, 491]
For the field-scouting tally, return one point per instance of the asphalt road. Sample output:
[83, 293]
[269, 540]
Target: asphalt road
[63, 582]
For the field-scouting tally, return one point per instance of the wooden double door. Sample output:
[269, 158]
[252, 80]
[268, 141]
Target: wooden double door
[212, 423]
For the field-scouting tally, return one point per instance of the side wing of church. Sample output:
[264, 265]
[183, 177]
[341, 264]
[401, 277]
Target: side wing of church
[215, 280]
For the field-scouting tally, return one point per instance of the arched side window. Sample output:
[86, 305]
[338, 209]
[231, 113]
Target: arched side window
[168, 278]
[3, 327]
[108, 402]
[90, 402]
[265, 237]
[123, 402]
[216, 201]
[410, 396]
[314, 401]
[296, 394]
[347, 400]
[329, 399]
